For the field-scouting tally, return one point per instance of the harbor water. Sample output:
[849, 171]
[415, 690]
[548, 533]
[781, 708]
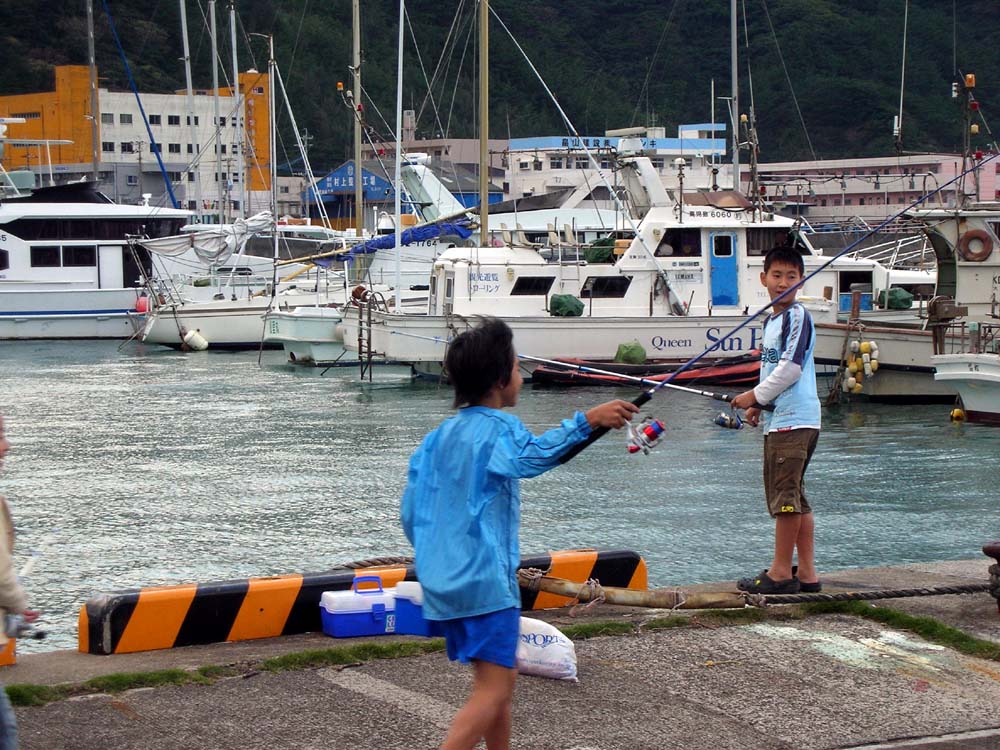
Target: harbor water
[134, 466]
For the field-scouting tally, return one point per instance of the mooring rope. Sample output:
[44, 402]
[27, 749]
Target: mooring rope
[762, 600]
[375, 562]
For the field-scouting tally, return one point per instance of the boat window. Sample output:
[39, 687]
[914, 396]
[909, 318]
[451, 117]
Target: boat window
[680, 242]
[79, 256]
[236, 271]
[598, 287]
[4, 260]
[722, 246]
[78, 229]
[759, 241]
[449, 287]
[45, 256]
[532, 285]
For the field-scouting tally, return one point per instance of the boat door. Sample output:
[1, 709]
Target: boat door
[725, 283]
[449, 293]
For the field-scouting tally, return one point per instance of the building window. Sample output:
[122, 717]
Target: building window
[80, 256]
[192, 205]
[27, 115]
[132, 180]
[283, 189]
[222, 122]
[107, 118]
[128, 147]
[189, 120]
[538, 164]
[45, 256]
[190, 176]
[555, 162]
[173, 119]
[173, 148]
[657, 162]
[154, 119]
[125, 119]
[107, 147]
[154, 148]
[258, 89]
[582, 162]
[174, 176]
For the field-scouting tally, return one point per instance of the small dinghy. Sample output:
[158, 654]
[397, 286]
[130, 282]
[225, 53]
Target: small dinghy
[738, 370]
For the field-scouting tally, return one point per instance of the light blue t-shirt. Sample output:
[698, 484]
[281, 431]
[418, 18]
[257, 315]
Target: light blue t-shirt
[789, 336]
[462, 506]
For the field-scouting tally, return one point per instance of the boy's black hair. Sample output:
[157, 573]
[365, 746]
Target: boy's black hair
[479, 359]
[784, 254]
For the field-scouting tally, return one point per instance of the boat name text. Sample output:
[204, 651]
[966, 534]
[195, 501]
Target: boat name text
[660, 343]
[732, 343]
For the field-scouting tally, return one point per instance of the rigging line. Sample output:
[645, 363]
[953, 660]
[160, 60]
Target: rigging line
[298, 140]
[458, 73]
[902, 77]
[672, 298]
[791, 88]
[746, 44]
[298, 36]
[647, 395]
[649, 69]
[420, 61]
[437, 68]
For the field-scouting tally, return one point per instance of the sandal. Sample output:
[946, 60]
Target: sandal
[815, 587]
[763, 584]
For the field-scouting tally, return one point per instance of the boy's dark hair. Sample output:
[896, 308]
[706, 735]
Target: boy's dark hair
[784, 254]
[479, 359]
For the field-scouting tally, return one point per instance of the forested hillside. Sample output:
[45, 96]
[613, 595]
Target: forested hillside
[822, 75]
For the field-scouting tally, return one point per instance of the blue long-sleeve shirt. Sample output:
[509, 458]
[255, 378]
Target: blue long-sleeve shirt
[788, 371]
[462, 506]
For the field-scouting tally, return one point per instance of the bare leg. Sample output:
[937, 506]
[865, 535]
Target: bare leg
[486, 715]
[804, 546]
[786, 533]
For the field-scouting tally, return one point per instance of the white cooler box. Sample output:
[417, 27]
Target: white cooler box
[409, 611]
[359, 612]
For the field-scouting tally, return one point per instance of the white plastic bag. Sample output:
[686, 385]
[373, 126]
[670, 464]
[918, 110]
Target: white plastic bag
[544, 651]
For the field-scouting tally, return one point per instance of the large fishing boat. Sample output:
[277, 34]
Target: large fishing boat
[66, 267]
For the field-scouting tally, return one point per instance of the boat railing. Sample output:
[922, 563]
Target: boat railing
[969, 337]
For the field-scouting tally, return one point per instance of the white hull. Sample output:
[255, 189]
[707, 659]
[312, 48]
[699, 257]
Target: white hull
[404, 338]
[976, 378]
[905, 368]
[310, 335]
[66, 314]
[238, 325]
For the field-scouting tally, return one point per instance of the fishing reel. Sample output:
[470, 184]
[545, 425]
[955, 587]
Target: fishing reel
[730, 421]
[645, 435]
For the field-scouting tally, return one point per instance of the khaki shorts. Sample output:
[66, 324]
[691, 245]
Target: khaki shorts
[786, 456]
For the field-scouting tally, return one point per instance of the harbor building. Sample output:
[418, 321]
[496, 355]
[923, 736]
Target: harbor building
[55, 141]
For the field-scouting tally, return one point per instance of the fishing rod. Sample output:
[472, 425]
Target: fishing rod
[645, 381]
[647, 395]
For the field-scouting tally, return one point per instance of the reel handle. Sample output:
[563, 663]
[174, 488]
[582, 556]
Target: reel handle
[600, 431]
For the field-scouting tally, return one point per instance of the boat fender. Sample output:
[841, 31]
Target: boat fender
[865, 347]
[142, 304]
[195, 340]
[855, 346]
[965, 245]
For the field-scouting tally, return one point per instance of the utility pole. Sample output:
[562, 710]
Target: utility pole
[306, 140]
[359, 209]
[94, 114]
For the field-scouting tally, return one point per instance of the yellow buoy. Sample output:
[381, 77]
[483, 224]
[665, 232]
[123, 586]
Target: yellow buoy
[866, 347]
[853, 367]
[957, 415]
[857, 388]
[874, 364]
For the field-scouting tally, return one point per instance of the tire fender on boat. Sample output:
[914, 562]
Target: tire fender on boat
[965, 245]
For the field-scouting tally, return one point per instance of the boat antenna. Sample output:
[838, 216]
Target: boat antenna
[897, 121]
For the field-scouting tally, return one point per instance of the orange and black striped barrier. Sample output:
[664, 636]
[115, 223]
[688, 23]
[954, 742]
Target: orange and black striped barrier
[185, 615]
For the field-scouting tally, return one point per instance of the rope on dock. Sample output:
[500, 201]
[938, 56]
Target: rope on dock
[762, 600]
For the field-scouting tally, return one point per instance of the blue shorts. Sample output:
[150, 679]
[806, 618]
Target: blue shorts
[491, 637]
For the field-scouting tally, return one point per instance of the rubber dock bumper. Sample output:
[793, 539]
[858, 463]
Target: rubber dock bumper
[161, 617]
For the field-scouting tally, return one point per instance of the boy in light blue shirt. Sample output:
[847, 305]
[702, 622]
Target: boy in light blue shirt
[461, 512]
[791, 430]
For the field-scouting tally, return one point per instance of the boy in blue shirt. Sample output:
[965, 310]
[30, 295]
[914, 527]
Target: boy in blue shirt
[787, 380]
[461, 511]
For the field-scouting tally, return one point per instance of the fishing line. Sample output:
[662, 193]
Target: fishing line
[647, 395]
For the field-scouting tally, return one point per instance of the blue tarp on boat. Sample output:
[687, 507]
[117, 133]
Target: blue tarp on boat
[388, 241]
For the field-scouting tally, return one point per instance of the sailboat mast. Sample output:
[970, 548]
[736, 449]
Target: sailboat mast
[238, 152]
[218, 115]
[91, 59]
[735, 73]
[484, 121]
[359, 208]
[273, 152]
[399, 157]
[190, 113]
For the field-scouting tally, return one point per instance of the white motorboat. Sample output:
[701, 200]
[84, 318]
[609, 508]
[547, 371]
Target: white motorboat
[66, 267]
[974, 373]
[966, 244]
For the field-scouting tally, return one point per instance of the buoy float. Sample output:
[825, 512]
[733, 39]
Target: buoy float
[195, 341]
[957, 415]
[142, 304]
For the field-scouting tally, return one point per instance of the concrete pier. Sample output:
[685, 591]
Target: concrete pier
[788, 680]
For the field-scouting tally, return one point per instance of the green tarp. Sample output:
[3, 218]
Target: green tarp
[565, 306]
[899, 299]
[631, 354]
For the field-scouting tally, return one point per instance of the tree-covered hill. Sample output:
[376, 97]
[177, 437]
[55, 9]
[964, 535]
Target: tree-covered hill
[823, 76]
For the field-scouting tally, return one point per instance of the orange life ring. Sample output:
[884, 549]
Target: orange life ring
[968, 238]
